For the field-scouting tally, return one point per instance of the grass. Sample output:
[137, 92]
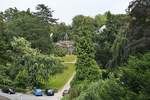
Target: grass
[69, 58]
[59, 80]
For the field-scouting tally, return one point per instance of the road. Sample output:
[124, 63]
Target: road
[20, 96]
[4, 98]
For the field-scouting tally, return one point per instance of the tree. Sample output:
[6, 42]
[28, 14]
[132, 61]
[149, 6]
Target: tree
[136, 75]
[86, 67]
[100, 20]
[37, 66]
[45, 13]
[81, 23]
[116, 26]
[31, 27]
[105, 90]
[59, 31]
[139, 28]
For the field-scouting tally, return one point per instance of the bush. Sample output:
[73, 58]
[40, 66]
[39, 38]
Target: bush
[59, 51]
[21, 90]
[136, 75]
[22, 79]
[105, 90]
[77, 87]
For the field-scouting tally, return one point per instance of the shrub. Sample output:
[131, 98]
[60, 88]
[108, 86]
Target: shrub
[136, 75]
[104, 90]
[59, 51]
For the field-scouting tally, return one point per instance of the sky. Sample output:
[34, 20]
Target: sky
[65, 10]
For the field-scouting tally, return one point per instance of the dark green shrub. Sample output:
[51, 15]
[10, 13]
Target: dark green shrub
[136, 75]
[60, 51]
[105, 90]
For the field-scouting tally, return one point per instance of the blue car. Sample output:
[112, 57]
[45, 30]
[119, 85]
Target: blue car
[37, 92]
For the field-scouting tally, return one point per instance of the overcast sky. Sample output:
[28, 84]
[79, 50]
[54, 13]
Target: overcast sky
[65, 10]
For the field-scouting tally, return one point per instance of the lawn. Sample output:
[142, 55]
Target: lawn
[69, 58]
[58, 81]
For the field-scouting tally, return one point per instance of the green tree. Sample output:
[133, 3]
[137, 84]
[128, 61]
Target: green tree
[81, 23]
[59, 31]
[31, 27]
[105, 90]
[139, 28]
[86, 67]
[106, 41]
[100, 20]
[45, 13]
[37, 65]
[136, 75]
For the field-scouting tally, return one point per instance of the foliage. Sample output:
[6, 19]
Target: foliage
[60, 30]
[111, 40]
[59, 80]
[60, 51]
[77, 88]
[30, 26]
[139, 28]
[136, 75]
[86, 67]
[35, 65]
[45, 13]
[80, 24]
[100, 20]
[104, 90]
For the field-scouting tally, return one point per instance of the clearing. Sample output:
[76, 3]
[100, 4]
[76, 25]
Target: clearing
[59, 80]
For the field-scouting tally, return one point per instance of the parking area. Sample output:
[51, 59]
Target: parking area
[20, 96]
[4, 98]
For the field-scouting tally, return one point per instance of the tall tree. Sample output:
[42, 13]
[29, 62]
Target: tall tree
[139, 29]
[45, 13]
[81, 23]
[86, 67]
[29, 26]
[107, 39]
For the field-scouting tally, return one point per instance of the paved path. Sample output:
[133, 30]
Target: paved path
[4, 98]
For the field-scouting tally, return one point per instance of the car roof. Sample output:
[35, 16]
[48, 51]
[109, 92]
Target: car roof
[38, 89]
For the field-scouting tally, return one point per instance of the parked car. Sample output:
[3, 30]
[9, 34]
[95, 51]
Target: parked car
[49, 92]
[8, 90]
[37, 92]
[65, 92]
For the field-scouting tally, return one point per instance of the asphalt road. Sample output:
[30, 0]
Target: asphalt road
[4, 98]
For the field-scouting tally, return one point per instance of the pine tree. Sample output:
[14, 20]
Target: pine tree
[86, 67]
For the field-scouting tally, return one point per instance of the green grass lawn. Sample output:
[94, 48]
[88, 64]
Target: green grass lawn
[58, 81]
[69, 58]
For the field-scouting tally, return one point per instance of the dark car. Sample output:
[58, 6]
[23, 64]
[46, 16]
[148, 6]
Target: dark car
[8, 90]
[37, 92]
[65, 92]
[49, 92]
